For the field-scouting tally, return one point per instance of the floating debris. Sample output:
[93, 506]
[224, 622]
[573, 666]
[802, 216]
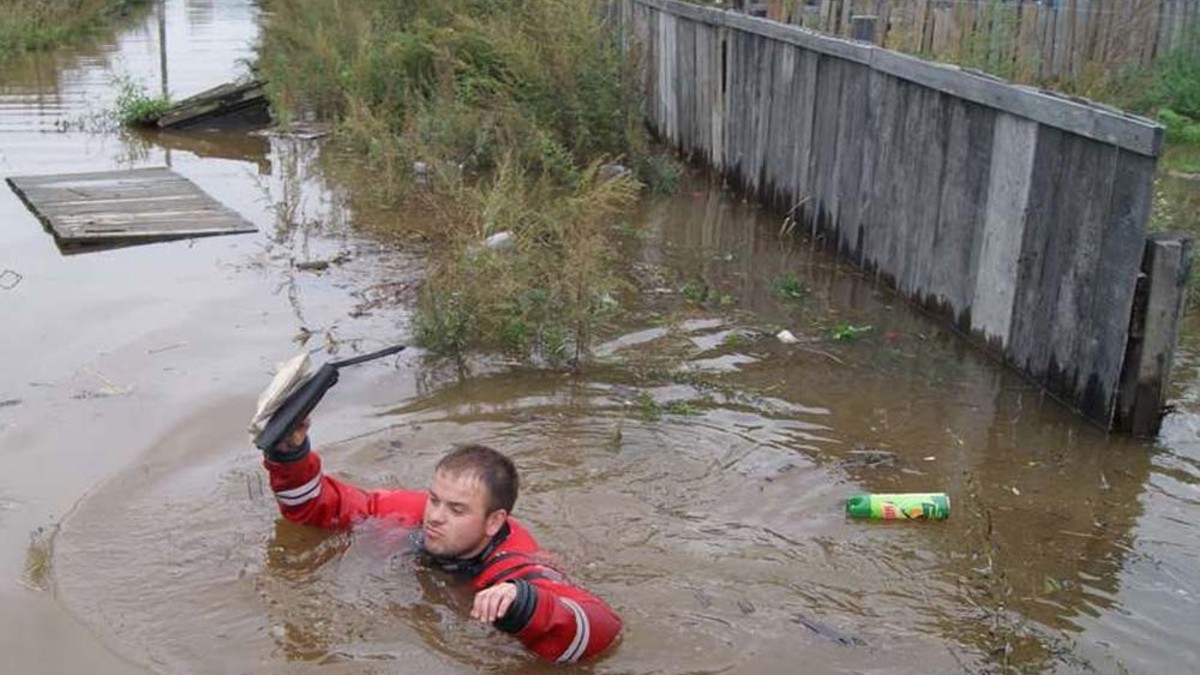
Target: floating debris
[786, 337]
[125, 207]
[228, 106]
[500, 241]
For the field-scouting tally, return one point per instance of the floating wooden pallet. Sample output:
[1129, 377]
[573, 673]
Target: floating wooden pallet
[113, 207]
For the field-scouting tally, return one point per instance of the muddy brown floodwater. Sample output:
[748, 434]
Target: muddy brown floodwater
[694, 477]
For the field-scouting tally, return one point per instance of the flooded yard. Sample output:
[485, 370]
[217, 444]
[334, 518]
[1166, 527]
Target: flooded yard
[694, 476]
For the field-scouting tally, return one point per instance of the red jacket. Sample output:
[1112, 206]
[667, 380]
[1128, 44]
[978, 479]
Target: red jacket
[552, 617]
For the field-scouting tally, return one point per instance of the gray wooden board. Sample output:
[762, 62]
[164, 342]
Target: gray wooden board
[1167, 265]
[908, 168]
[794, 116]
[875, 94]
[703, 96]
[777, 136]
[963, 204]
[141, 204]
[1117, 271]
[753, 111]
[1037, 288]
[1087, 182]
[929, 156]
[685, 40]
[763, 50]
[852, 134]
[736, 100]
[886, 204]
[805, 98]
[825, 126]
[878, 174]
[720, 96]
[211, 105]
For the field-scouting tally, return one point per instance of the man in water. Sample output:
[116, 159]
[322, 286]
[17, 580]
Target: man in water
[462, 524]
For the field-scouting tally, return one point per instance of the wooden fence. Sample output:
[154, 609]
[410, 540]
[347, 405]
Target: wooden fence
[1063, 41]
[1016, 213]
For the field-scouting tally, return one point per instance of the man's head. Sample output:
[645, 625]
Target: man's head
[474, 489]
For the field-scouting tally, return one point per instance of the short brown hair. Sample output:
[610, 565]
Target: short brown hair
[497, 473]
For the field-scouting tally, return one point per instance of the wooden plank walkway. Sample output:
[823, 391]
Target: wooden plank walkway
[112, 207]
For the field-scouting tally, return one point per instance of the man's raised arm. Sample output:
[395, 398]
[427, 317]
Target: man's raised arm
[309, 497]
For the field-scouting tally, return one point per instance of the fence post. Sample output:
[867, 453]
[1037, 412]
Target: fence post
[862, 28]
[1157, 308]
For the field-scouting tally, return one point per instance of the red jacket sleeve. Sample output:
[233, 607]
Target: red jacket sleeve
[567, 624]
[308, 497]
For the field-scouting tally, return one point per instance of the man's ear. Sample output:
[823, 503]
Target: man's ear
[495, 520]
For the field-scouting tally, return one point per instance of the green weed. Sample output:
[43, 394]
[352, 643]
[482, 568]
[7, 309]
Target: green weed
[1176, 83]
[789, 287]
[683, 408]
[848, 332]
[648, 409]
[136, 106]
[694, 292]
[660, 173]
[1181, 129]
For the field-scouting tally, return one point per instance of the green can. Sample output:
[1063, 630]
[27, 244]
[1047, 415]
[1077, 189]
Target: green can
[911, 506]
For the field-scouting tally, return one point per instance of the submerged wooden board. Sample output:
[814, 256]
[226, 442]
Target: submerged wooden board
[229, 106]
[141, 205]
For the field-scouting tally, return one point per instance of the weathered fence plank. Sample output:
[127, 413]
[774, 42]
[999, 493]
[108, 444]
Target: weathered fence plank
[1162, 294]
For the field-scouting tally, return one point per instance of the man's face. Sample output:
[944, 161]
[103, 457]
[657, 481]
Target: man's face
[456, 522]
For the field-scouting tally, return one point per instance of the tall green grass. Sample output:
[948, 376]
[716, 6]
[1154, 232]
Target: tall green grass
[510, 107]
[32, 25]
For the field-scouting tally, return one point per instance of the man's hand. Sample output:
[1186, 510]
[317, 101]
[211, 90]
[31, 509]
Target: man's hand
[492, 603]
[292, 447]
[296, 438]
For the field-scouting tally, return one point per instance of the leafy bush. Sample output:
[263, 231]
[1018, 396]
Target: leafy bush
[1176, 83]
[136, 106]
[1180, 129]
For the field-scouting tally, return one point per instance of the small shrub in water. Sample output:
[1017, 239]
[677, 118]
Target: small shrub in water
[847, 332]
[789, 287]
[660, 173]
[694, 292]
[136, 106]
[648, 409]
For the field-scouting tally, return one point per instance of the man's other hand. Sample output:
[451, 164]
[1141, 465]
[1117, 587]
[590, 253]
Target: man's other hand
[492, 603]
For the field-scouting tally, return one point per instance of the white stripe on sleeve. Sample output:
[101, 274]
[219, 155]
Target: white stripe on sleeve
[299, 495]
[582, 633]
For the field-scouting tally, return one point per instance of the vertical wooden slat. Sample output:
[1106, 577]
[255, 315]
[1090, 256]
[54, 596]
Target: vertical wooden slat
[852, 132]
[1166, 267]
[1087, 192]
[1036, 290]
[964, 205]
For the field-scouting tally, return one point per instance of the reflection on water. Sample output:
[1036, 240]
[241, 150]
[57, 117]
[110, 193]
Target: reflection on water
[694, 476]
